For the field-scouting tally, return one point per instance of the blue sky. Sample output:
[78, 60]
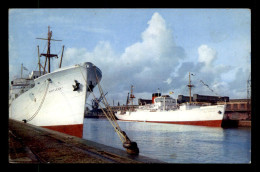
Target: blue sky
[149, 48]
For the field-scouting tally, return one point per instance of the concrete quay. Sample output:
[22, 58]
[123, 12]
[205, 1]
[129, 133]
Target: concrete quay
[32, 144]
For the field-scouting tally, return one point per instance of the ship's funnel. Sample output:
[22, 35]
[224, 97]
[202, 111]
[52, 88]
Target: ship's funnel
[154, 95]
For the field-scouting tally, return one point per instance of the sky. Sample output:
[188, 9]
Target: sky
[150, 49]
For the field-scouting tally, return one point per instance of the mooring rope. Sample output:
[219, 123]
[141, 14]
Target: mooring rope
[37, 111]
[30, 104]
[110, 115]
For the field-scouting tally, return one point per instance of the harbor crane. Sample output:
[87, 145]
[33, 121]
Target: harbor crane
[95, 102]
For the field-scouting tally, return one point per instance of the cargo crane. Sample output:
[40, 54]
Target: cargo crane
[132, 96]
[127, 100]
[94, 105]
[95, 102]
[130, 99]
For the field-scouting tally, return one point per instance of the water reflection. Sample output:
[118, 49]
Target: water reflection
[176, 143]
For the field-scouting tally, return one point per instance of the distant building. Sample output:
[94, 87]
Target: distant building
[211, 99]
[183, 99]
[202, 98]
[144, 101]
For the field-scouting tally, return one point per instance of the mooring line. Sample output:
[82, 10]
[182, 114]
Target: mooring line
[37, 111]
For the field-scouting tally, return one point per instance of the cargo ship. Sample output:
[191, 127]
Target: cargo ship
[165, 109]
[54, 100]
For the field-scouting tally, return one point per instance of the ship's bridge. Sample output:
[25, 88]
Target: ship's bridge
[165, 102]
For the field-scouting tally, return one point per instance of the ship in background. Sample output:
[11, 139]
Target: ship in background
[54, 100]
[165, 109]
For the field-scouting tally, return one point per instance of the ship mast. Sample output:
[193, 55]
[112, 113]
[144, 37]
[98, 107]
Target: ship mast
[190, 86]
[48, 55]
[39, 59]
[132, 96]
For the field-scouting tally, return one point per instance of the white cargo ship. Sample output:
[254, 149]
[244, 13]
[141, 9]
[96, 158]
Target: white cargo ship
[165, 109]
[54, 100]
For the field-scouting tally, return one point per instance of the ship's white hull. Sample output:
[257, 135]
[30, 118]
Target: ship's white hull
[204, 115]
[53, 104]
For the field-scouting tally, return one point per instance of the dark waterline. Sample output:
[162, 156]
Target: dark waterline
[176, 143]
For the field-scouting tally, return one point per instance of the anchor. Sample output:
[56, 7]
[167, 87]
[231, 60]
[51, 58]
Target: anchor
[90, 87]
[76, 86]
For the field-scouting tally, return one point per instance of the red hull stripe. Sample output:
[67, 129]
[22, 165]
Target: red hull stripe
[212, 123]
[74, 130]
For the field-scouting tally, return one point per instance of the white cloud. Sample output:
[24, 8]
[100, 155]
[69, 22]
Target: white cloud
[146, 64]
[94, 30]
[156, 51]
[157, 44]
[168, 81]
[221, 78]
[221, 88]
[153, 62]
[206, 55]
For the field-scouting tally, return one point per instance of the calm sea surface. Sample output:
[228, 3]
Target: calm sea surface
[176, 143]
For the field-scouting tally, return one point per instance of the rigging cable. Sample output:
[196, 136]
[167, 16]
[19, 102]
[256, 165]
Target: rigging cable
[209, 88]
[206, 85]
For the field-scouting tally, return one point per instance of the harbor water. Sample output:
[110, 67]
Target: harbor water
[172, 143]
